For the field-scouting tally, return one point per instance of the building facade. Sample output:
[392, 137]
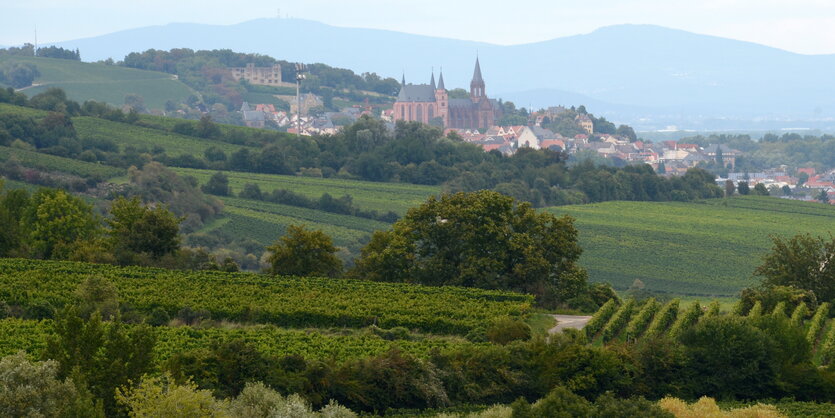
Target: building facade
[430, 104]
[265, 76]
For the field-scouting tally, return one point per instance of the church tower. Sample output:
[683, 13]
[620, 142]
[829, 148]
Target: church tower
[477, 85]
[442, 100]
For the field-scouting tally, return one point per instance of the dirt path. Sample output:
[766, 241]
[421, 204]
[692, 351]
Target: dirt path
[569, 321]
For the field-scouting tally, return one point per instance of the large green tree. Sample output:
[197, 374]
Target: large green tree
[138, 229]
[302, 252]
[58, 223]
[481, 239]
[802, 261]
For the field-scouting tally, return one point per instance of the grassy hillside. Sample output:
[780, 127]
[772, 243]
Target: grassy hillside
[709, 248]
[383, 197]
[55, 163]
[106, 83]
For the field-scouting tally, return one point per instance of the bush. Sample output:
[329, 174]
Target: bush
[39, 309]
[686, 319]
[817, 322]
[505, 330]
[800, 313]
[158, 317]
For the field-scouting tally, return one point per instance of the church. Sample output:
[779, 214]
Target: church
[430, 103]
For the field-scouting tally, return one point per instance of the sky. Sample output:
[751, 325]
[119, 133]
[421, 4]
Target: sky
[802, 26]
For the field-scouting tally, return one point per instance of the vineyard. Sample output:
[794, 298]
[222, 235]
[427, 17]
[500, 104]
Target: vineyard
[31, 335]
[702, 249]
[55, 163]
[105, 83]
[265, 222]
[125, 134]
[383, 197]
[285, 301]
[632, 321]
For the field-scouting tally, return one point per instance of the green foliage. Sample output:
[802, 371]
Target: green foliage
[481, 239]
[106, 355]
[289, 301]
[641, 321]
[772, 296]
[136, 229]
[648, 239]
[618, 320]
[96, 294]
[779, 309]
[686, 319]
[159, 397]
[665, 316]
[601, 317]
[30, 389]
[799, 315]
[801, 261]
[713, 309]
[58, 222]
[505, 330]
[302, 252]
[756, 310]
[817, 322]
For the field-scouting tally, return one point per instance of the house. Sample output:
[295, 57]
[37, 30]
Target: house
[263, 76]
[585, 122]
[252, 118]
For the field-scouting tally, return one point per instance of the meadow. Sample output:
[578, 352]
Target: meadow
[49, 162]
[708, 248]
[105, 83]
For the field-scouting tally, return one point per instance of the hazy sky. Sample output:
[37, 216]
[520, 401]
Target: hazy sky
[804, 26]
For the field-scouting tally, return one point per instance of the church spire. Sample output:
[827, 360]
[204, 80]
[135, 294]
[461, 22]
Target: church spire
[477, 85]
[403, 80]
[441, 80]
[432, 81]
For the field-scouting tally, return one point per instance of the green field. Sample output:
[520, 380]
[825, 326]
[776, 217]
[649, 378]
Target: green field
[265, 222]
[383, 197]
[701, 249]
[126, 134]
[298, 302]
[48, 162]
[105, 83]
[320, 344]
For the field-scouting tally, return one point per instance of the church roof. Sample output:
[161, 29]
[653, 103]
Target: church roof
[461, 103]
[477, 73]
[416, 93]
[441, 81]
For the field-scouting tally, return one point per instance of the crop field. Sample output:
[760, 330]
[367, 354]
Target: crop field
[697, 249]
[338, 345]
[126, 134]
[265, 222]
[6, 109]
[49, 162]
[383, 197]
[105, 83]
[632, 321]
[296, 302]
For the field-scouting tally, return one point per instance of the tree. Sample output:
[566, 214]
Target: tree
[105, 355]
[163, 398]
[760, 190]
[481, 239]
[729, 188]
[743, 188]
[30, 389]
[823, 196]
[59, 222]
[138, 229]
[206, 128]
[802, 261]
[218, 184]
[787, 191]
[301, 252]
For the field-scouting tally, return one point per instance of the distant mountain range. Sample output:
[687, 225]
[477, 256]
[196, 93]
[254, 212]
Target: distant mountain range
[647, 76]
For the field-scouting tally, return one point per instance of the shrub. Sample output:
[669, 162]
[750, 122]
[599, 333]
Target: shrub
[504, 330]
[756, 310]
[713, 310]
[707, 407]
[779, 309]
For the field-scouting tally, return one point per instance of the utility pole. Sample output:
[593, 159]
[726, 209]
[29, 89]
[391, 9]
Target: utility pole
[299, 77]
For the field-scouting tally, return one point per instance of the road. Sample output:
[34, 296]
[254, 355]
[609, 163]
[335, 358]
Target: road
[569, 321]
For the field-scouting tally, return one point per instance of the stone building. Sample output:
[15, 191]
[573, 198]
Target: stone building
[430, 103]
[265, 76]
